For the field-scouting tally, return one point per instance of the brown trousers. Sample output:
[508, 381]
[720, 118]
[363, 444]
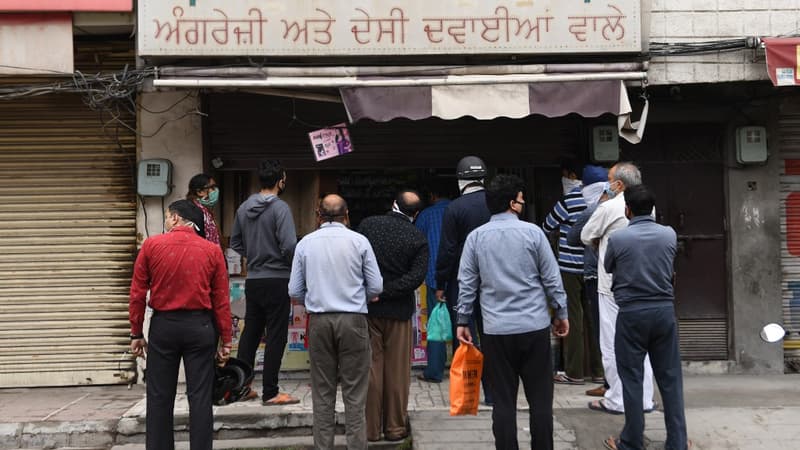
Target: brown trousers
[389, 378]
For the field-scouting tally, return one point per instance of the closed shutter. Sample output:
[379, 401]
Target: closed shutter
[67, 237]
[789, 142]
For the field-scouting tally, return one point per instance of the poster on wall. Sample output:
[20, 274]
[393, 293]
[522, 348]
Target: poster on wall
[419, 355]
[330, 142]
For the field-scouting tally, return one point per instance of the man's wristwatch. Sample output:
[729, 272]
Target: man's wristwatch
[137, 336]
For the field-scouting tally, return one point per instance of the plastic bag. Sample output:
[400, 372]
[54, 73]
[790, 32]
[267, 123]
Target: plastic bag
[465, 380]
[439, 325]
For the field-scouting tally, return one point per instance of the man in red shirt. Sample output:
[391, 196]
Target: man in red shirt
[188, 286]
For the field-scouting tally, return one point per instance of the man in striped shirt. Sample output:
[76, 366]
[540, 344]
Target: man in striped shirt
[570, 262]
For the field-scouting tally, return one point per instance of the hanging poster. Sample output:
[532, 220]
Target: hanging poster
[330, 142]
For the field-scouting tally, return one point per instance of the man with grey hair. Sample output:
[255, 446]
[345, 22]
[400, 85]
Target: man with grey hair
[610, 217]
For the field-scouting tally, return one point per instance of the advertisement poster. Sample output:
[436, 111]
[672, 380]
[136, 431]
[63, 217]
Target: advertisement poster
[419, 329]
[331, 142]
[297, 328]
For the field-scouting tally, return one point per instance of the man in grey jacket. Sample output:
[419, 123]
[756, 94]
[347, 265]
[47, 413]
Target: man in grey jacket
[264, 233]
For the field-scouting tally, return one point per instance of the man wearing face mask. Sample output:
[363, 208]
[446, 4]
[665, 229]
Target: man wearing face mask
[570, 262]
[204, 193]
[610, 217]
[264, 233]
[188, 287]
[402, 253]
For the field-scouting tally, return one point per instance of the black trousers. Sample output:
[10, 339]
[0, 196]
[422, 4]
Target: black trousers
[475, 329]
[653, 331]
[507, 358]
[267, 302]
[174, 335]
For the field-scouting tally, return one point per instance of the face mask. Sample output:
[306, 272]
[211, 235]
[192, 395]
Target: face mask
[609, 192]
[569, 184]
[212, 199]
[281, 187]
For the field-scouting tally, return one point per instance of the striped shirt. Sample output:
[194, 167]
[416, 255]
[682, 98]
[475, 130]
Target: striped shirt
[562, 218]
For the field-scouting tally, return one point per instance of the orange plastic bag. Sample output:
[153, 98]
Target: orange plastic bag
[465, 380]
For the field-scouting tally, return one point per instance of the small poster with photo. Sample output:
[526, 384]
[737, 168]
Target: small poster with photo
[331, 142]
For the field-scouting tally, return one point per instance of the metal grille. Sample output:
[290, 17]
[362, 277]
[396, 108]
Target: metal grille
[67, 223]
[789, 145]
[703, 339]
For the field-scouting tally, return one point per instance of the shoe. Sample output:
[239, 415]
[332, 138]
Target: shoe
[599, 380]
[655, 406]
[395, 438]
[281, 399]
[599, 391]
[562, 378]
[599, 405]
[422, 377]
[251, 395]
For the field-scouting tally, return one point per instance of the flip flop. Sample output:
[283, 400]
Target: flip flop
[562, 378]
[598, 405]
[281, 399]
[610, 443]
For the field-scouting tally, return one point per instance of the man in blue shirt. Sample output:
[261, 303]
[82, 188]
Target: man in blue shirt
[640, 257]
[429, 221]
[335, 273]
[509, 263]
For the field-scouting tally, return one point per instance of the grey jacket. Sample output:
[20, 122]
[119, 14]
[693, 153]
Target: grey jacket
[264, 233]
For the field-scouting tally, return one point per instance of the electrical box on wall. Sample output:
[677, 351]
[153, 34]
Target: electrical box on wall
[154, 178]
[605, 143]
[751, 145]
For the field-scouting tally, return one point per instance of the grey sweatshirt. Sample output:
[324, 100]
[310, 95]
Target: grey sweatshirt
[264, 233]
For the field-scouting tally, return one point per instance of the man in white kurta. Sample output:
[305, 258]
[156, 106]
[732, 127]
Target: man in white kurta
[609, 217]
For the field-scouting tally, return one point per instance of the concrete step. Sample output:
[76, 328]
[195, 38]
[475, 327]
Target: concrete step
[275, 443]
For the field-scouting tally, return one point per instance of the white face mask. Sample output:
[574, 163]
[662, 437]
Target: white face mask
[569, 184]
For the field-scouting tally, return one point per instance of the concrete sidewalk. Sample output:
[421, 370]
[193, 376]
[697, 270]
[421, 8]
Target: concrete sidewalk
[724, 412]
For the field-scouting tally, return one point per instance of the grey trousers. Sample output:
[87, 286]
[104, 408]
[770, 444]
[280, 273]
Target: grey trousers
[339, 349]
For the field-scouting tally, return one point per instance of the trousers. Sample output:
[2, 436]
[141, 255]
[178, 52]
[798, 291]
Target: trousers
[189, 335]
[389, 378]
[339, 350]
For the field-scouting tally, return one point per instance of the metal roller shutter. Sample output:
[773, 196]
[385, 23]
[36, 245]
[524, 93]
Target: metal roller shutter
[67, 237]
[789, 142]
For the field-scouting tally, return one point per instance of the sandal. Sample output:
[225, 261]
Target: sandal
[281, 399]
[562, 378]
[599, 405]
[610, 443]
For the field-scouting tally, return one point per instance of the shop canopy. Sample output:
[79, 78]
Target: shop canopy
[383, 98]
[489, 101]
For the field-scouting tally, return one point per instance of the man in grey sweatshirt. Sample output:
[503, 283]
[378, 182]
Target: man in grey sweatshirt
[264, 233]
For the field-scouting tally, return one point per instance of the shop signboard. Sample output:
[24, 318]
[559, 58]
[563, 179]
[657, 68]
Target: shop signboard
[382, 28]
[67, 5]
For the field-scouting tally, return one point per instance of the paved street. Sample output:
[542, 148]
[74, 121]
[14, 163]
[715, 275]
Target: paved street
[724, 412]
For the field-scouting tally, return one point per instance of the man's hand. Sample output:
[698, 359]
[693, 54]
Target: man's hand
[440, 295]
[374, 299]
[139, 348]
[463, 334]
[561, 327]
[223, 354]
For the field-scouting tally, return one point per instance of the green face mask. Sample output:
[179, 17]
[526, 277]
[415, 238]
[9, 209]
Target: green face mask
[212, 198]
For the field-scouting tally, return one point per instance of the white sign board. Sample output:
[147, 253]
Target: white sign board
[382, 27]
[22, 38]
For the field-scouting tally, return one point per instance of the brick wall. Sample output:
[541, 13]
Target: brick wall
[703, 20]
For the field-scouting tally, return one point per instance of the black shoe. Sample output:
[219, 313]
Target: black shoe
[422, 377]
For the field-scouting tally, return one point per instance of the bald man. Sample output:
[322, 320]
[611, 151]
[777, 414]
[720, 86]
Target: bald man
[402, 252]
[334, 273]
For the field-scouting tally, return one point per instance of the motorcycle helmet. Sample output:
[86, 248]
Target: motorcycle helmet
[232, 381]
[470, 168]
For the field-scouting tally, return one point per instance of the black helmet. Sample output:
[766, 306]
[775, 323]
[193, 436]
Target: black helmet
[470, 168]
[232, 381]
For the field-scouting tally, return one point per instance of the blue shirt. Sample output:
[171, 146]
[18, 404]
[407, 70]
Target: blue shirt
[510, 264]
[335, 270]
[562, 218]
[640, 257]
[589, 251]
[429, 221]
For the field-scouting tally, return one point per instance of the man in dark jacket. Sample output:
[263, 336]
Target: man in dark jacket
[463, 215]
[264, 233]
[402, 254]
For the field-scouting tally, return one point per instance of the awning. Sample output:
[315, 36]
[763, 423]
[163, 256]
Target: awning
[783, 60]
[483, 96]
[489, 101]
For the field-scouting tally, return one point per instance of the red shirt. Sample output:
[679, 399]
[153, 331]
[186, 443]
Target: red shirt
[182, 271]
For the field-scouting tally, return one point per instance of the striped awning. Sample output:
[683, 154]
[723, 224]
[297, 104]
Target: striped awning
[590, 98]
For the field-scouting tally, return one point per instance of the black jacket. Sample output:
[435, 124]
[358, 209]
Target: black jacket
[402, 253]
[463, 215]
